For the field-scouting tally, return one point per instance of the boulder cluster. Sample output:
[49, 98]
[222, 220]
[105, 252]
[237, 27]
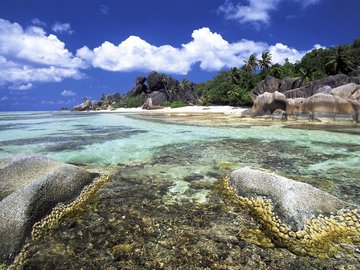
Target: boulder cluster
[331, 98]
[155, 90]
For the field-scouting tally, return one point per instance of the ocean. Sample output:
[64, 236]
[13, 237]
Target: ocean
[161, 204]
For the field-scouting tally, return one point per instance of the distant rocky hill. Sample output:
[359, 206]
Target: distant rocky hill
[151, 92]
[331, 98]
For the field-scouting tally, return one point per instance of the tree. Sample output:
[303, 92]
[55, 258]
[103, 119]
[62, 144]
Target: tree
[338, 61]
[235, 74]
[265, 61]
[276, 71]
[251, 63]
[307, 74]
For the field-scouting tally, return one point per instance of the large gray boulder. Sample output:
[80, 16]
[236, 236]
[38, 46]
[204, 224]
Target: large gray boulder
[294, 202]
[30, 186]
[347, 91]
[327, 107]
[269, 84]
[267, 103]
[87, 105]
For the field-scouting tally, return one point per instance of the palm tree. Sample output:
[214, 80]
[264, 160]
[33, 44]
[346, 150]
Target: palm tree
[307, 74]
[251, 63]
[235, 74]
[265, 61]
[276, 71]
[338, 61]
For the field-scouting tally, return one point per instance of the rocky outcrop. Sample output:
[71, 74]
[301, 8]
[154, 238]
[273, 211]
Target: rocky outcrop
[158, 87]
[267, 103]
[294, 202]
[270, 85]
[30, 186]
[155, 100]
[334, 98]
[87, 105]
[347, 91]
[139, 88]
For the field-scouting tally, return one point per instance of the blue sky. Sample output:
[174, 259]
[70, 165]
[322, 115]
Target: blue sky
[55, 52]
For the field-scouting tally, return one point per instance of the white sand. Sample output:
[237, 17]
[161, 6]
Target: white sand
[227, 110]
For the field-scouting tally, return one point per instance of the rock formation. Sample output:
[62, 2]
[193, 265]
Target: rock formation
[331, 98]
[296, 215]
[155, 89]
[87, 105]
[294, 202]
[30, 186]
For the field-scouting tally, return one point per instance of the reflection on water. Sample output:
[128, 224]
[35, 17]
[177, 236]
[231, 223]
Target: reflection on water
[162, 210]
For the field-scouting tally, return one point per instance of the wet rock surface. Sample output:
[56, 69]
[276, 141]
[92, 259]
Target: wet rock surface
[151, 216]
[31, 185]
[293, 201]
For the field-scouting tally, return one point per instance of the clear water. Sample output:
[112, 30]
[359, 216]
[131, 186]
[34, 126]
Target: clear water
[160, 210]
[326, 158]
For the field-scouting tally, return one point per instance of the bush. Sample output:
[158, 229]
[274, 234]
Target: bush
[131, 102]
[175, 104]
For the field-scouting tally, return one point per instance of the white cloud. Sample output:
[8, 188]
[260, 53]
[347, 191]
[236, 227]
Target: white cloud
[4, 98]
[280, 52]
[208, 49]
[256, 12]
[20, 86]
[104, 10]
[38, 22]
[59, 27]
[30, 55]
[68, 93]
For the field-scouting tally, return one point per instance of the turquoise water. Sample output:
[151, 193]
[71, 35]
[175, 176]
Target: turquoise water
[326, 158]
[161, 209]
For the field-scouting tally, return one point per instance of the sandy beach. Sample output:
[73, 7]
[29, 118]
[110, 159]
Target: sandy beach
[227, 110]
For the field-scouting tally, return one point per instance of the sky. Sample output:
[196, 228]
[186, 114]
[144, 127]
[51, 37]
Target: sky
[55, 52]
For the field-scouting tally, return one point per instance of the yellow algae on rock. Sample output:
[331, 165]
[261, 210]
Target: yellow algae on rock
[322, 236]
[61, 211]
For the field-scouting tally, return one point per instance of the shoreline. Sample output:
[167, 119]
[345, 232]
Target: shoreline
[221, 115]
[227, 110]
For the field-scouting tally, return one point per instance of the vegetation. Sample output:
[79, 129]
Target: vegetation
[233, 87]
[175, 104]
[130, 102]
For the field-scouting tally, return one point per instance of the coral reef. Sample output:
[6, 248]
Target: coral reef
[322, 236]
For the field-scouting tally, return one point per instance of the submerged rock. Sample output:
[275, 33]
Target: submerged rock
[30, 186]
[294, 202]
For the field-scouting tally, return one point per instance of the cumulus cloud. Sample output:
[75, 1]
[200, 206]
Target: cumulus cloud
[4, 98]
[256, 12]
[210, 50]
[68, 93]
[59, 27]
[30, 55]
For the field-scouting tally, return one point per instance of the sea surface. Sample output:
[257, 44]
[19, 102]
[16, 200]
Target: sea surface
[164, 174]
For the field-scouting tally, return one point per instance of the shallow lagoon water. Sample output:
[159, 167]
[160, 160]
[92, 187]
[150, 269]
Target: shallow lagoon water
[163, 169]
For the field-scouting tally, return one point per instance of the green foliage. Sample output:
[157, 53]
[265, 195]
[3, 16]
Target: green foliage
[227, 88]
[233, 87]
[175, 104]
[265, 61]
[130, 102]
